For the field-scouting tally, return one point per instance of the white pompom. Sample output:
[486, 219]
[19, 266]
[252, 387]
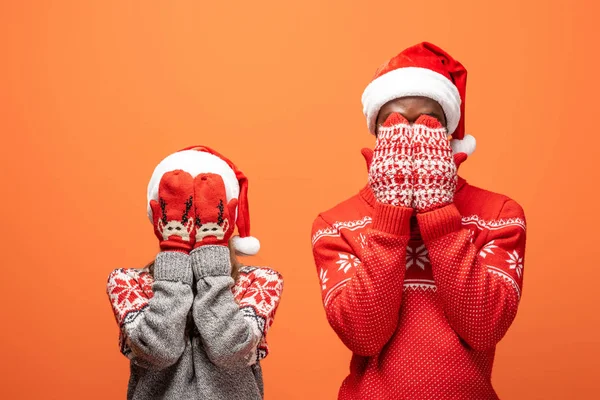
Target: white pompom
[248, 246]
[466, 145]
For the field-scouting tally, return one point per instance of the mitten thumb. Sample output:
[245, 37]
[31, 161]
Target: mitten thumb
[156, 211]
[231, 206]
[368, 155]
[459, 158]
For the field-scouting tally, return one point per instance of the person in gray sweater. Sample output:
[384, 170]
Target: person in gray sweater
[193, 323]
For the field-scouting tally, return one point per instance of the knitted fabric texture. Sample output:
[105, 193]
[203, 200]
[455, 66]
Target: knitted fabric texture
[391, 171]
[202, 344]
[421, 303]
[173, 214]
[433, 166]
[215, 217]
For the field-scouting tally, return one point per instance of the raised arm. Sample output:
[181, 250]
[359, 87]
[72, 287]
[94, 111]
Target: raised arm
[362, 297]
[480, 288]
[153, 321]
[230, 335]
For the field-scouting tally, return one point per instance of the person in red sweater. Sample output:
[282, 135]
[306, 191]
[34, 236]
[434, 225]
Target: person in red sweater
[421, 272]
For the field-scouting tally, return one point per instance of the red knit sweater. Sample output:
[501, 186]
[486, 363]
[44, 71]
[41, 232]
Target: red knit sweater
[421, 302]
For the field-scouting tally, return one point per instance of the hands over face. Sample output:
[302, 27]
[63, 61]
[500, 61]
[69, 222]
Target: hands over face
[192, 212]
[413, 165]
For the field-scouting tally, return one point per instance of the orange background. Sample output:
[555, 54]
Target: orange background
[94, 94]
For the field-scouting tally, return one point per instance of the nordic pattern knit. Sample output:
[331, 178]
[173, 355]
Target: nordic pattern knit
[421, 302]
[189, 332]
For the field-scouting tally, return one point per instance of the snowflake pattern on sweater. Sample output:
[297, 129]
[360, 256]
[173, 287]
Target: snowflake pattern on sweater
[425, 305]
[257, 292]
[417, 255]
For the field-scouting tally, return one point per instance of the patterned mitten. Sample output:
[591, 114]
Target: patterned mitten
[214, 216]
[390, 173]
[434, 167]
[172, 213]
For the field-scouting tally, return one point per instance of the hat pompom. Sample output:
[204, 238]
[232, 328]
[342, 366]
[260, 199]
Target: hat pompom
[465, 145]
[246, 245]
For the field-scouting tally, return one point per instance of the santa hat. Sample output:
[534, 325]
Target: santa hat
[201, 159]
[428, 71]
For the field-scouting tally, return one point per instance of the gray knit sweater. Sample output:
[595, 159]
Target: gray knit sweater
[184, 332]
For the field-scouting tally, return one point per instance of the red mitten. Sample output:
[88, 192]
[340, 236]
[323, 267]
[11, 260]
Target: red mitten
[390, 172]
[172, 213]
[368, 155]
[459, 158]
[433, 165]
[214, 216]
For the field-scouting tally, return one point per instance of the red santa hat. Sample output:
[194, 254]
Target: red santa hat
[428, 71]
[201, 159]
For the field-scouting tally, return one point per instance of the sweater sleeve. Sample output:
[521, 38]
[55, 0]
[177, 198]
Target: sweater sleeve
[152, 322]
[480, 287]
[258, 293]
[230, 332]
[362, 297]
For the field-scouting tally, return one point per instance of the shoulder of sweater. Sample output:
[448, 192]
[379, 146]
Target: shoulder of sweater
[253, 272]
[128, 274]
[353, 208]
[485, 203]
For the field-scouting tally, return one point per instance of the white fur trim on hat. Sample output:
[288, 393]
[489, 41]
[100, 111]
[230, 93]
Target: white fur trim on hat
[194, 162]
[465, 145]
[247, 245]
[411, 81]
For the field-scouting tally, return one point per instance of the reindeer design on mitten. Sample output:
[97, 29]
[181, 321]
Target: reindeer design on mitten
[171, 214]
[216, 229]
[176, 227]
[214, 219]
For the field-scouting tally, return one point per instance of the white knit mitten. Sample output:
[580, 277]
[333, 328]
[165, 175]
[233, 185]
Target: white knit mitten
[390, 173]
[434, 169]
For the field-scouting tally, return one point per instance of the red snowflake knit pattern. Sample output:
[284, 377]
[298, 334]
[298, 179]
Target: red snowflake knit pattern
[433, 165]
[376, 284]
[489, 279]
[257, 291]
[129, 291]
[390, 174]
[423, 315]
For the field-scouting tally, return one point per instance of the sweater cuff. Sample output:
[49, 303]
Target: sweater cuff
[391, 219]
[211, 260]
[441, 222]
[173, 266]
